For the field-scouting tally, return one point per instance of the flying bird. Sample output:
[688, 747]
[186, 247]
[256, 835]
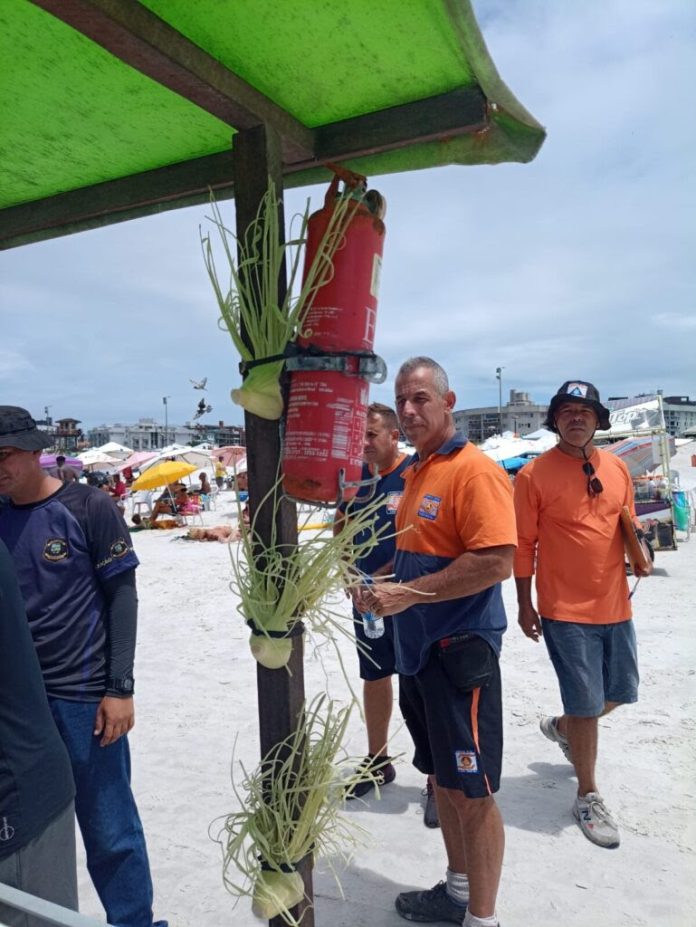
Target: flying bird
[199, 384]
[203, 409]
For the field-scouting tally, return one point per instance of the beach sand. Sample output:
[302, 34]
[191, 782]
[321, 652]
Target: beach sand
[196, 703]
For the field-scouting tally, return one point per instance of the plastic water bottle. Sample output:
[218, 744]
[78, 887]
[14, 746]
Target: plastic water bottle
[373, 625]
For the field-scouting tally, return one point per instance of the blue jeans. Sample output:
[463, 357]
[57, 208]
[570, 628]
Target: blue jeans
[108, 817]
[594, 663]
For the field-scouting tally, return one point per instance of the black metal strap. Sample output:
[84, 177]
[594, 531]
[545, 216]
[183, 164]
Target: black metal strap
[277, 867]
[309, 358]
[294, 630]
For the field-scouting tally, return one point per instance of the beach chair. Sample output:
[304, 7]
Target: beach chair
[142, 502]
[191, 514]
[210, 499]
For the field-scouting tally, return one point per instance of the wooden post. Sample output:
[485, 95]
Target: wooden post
[256, 157]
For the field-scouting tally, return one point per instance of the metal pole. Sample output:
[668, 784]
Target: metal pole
[499, 378]
[166, 420]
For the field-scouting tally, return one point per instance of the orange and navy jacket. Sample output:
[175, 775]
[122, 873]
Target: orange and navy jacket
[457, 500]
[572, 539]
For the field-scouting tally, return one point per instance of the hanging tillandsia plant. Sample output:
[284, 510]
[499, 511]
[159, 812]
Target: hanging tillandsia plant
[259, 326]
[289, 811]
[279, 585]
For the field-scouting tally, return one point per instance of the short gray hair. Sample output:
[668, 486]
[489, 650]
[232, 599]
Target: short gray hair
[440, 379]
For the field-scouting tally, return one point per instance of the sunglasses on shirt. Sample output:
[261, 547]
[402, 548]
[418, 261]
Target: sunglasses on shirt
[594, 485]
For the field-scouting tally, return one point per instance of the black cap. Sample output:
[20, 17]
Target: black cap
[18, 429]
[578, 391]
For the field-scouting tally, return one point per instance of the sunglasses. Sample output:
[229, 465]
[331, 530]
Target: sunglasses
[594, 486]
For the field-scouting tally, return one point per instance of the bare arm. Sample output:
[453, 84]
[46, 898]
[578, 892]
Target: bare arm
[470, 573]
[527, 617]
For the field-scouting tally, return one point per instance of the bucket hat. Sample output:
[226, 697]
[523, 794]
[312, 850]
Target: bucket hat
[18, 429]
[578, 391]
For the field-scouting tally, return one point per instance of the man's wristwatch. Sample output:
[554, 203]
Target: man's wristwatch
[123, 686]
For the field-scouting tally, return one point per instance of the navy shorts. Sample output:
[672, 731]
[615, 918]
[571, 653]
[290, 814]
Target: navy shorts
[378, 661]
[457, 730]
[595, 664]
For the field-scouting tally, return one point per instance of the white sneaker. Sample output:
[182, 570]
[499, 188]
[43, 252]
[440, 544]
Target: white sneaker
[549, 729]
[595, 821]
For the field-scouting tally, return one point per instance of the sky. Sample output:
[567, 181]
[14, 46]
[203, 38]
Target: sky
[578, 265]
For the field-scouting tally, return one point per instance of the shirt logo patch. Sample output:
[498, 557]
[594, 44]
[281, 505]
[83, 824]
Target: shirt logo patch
[429, 507]
[119, 549]
[55, 549]
[466, 761]
[392, 502]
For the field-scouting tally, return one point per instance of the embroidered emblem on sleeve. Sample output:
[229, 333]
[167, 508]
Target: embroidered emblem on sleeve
[119, 549]
[55, 549]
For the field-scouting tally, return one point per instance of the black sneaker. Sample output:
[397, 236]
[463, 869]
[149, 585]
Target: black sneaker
[381, 770]
[430, 815]
[430, 905]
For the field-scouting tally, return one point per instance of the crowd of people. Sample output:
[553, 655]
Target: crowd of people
[67, 564]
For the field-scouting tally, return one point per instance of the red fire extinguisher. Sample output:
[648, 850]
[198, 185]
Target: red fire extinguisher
[328, 396]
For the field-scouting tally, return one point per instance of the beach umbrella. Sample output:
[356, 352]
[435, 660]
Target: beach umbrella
[98, 460]
[162, 474]
[229, 453]
[136, 460]
[197, 459]
[114, 449]
[48, 461]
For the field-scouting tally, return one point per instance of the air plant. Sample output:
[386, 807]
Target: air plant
[278, 585]
[260, 326]
[290, 810]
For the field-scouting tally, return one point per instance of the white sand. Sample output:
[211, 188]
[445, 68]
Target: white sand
[196, 694]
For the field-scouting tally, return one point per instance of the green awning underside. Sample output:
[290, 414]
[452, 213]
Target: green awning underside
[130, 107]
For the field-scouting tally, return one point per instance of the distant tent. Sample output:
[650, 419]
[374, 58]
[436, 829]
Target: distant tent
[513, 464]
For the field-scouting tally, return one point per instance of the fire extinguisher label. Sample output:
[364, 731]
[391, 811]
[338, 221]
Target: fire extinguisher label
[376, 275]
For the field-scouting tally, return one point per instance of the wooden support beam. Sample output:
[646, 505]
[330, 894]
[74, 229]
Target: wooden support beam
[257, 157]
[443, 116]
[190, 182]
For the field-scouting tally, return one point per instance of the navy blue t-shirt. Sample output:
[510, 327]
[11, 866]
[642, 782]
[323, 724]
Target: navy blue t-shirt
[63, 548]
[390, 488]
[35, 777]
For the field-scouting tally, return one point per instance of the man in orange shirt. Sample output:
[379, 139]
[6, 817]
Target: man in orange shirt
[455, 545]
[568, 503]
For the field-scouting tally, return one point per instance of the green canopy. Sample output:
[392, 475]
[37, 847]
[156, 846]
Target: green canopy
[117, 108]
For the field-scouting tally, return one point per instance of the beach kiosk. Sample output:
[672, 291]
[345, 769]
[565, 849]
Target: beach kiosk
[125, 108]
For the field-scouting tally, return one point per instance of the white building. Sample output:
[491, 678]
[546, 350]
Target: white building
[519, 415]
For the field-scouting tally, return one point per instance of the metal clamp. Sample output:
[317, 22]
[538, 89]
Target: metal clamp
[370, 367]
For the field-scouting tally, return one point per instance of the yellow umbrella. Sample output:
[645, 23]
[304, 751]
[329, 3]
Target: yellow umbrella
[161, 474]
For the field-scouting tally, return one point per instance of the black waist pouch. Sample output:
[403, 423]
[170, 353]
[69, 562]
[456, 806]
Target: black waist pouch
[467, 660]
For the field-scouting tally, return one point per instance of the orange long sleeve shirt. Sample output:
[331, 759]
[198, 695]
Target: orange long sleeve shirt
[572, 539]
